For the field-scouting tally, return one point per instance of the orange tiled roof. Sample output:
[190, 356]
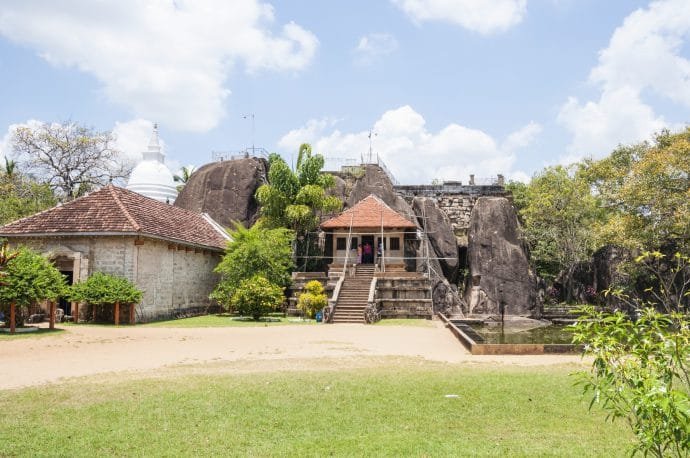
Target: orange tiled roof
[113, 210]
[370, 212]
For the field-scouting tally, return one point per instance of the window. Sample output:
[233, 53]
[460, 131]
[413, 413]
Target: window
[395, 243]
[340, 243]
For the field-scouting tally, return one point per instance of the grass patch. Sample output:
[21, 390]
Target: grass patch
[224, 320]
[392, 410]
[414, 322]
[42, 332]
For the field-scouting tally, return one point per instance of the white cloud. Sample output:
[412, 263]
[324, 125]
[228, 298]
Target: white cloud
[6, 141]
[163, 60]
[413, 153]
[483, 16]
[522, 137]
[373, 46]
[644, 54]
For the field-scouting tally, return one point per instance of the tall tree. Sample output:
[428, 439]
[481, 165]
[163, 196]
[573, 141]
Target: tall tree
[558, 212]
[21, 195]
[646, 189]
[71, 158]
[251, 252]
[298, 199]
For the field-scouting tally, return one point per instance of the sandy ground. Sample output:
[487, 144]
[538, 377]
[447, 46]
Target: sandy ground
[143, 351]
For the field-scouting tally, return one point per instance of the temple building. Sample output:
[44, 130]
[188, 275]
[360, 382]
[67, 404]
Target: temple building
[151, 177]
[167, 252]
[371, 232]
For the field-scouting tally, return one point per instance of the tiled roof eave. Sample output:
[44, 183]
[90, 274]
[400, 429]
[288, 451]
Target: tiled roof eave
[114, 234]
[412, 227]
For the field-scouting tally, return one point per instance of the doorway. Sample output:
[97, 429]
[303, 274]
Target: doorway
[367, 253]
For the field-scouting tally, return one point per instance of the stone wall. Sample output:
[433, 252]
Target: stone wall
[174, 279]
[455, 200]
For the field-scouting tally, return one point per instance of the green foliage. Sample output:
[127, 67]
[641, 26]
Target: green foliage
[256, 296]
[254, 251]
[298, 199]
[30, 278]
[21, 195]
[105, 289]
[5, 257]
[558, 211]
[646, 191]
[312, 299]
[640, 374]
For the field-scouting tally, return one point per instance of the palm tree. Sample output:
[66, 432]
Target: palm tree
[10, 165]
[183, 176]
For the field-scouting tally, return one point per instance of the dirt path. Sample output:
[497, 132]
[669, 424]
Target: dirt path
[86, 350]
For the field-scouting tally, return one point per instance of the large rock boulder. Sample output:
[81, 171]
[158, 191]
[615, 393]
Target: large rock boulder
[584, 282]
[441, 235]
[225, 190]
[375, 181]
[500, 273]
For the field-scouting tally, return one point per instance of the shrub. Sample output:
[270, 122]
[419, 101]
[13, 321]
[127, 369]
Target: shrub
[28, 278]
[312, 299]
[105, 289]
[256, 296]
[640, 374]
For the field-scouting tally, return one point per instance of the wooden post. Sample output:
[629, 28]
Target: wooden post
[52, 315]
[117, 313]
[94, 313]
[131, 313]
[12, 317]
[75, 312]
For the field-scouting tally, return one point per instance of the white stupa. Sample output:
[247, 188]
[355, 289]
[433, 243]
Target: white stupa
[151, 177]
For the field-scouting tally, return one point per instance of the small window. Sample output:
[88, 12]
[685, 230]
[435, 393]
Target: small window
[395, 243]
[340, 243]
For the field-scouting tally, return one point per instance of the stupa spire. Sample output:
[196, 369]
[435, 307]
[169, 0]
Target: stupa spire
[154, 152]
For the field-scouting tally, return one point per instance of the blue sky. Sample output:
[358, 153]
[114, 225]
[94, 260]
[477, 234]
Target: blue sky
[449, 87]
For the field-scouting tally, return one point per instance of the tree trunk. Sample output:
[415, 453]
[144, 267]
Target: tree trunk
[52, 315]
[12, 317]
[117, 313]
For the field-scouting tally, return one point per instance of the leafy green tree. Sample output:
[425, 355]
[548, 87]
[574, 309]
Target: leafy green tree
[646, 190]
[254, 251]
[21, 195]
[256, 296]
[29, 278]
[105, 289]
[640, 374]
[312, 299]
[298, 199]
[558, 212]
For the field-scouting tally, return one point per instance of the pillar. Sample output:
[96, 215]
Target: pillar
[117, 313]
[75, 312]
[131, 313]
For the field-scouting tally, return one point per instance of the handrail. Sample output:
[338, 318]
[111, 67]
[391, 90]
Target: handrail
[334, 298]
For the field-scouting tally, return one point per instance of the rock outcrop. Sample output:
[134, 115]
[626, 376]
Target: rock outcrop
[584, 281]
[501, 277]
[225, 190]
[441, 236]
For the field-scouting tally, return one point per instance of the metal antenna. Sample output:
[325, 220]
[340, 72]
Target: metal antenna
[370, 151]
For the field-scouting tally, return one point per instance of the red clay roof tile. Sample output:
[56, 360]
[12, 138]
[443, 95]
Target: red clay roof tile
[370, 212]
[116, 210]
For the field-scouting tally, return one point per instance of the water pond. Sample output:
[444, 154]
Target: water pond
[495, 334]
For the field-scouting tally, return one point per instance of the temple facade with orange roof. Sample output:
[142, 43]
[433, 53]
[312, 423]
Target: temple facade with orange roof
[167, 251]
[370, 232]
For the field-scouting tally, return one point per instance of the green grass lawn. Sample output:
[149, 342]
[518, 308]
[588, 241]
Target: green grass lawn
[42, 332]
[207, 321]
[405, 322]
[396, 409]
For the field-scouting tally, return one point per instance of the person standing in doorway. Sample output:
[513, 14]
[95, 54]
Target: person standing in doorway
[359, 253]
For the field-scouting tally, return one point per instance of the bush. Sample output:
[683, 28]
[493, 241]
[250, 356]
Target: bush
[28, 278]
[312, 299]
[640, 374]
[104, 289]
[256, 296]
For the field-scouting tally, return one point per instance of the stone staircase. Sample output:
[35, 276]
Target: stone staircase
[561, 313]
[353, 296]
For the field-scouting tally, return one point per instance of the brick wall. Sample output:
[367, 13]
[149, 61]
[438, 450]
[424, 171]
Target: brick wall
[174, 279]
